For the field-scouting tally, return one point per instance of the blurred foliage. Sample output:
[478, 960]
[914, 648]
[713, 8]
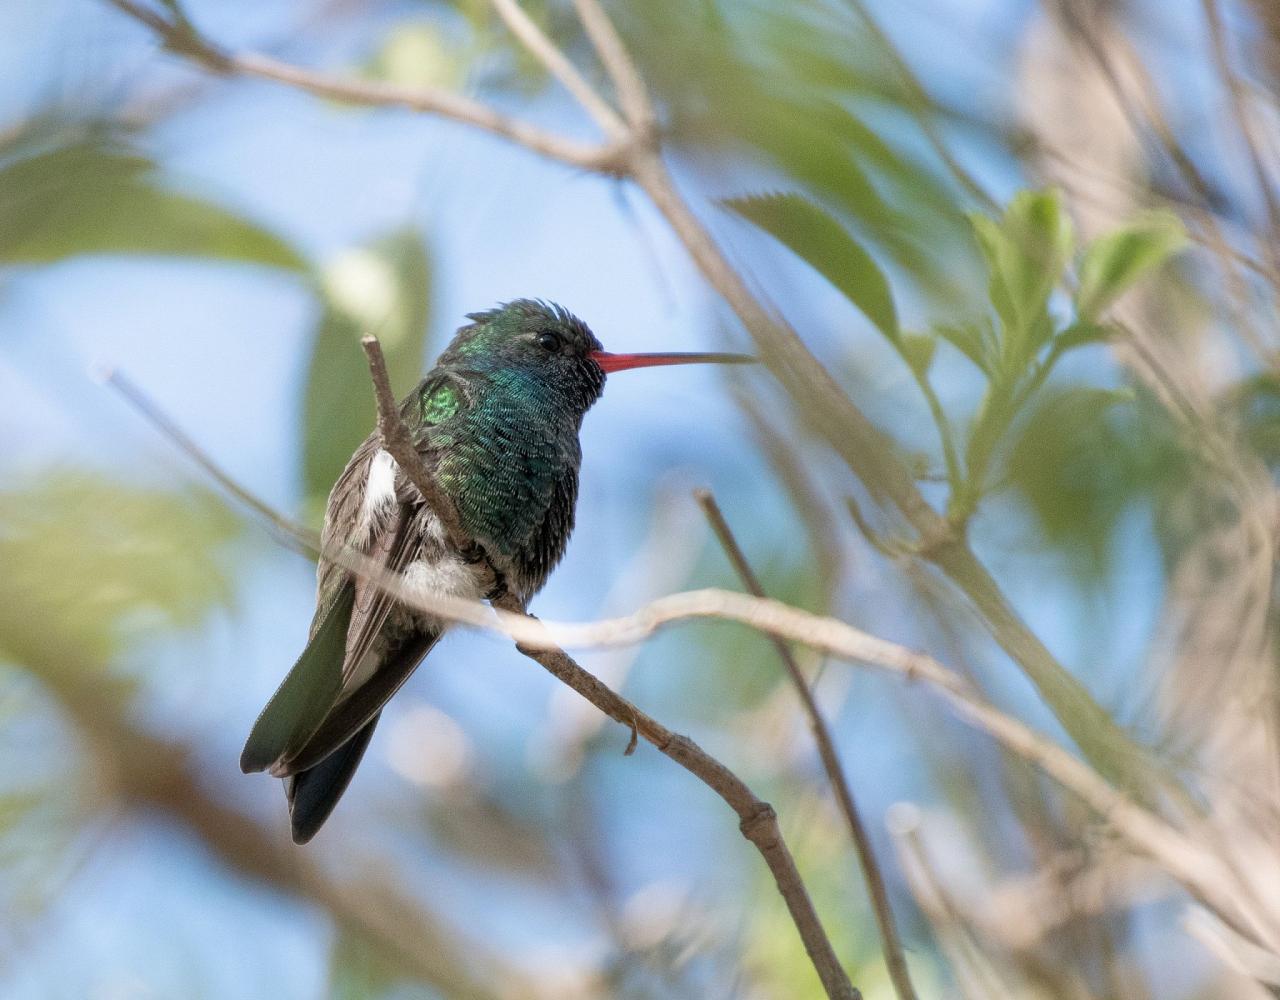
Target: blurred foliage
[91, 568]
[72, 188]
[91, 565]
[384, 288]
[822, 242]
[795, 87]
[1020, 338]
[1085, 456]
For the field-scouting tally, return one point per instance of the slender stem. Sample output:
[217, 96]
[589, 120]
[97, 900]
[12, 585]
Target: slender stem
[758, 821]
[558, 65]
[290, 534]
[893, 954]
[632, 92]
[955, 477]
[182, 39]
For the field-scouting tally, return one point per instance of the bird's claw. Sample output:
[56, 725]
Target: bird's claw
[472, 554]
[498, 591]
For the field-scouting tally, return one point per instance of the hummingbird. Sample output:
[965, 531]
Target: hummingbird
[497, 422]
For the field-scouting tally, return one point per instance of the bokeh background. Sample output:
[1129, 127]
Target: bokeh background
[223, 242]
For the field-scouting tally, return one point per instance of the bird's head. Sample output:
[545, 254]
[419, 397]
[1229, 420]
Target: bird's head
[530, 339]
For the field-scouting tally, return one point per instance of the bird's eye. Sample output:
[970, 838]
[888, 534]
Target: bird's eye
[549, 341]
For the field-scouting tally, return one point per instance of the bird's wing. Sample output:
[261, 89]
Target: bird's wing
[314, 685]
[342, 511]
[310, 689]
[354, 712]
[391, 547]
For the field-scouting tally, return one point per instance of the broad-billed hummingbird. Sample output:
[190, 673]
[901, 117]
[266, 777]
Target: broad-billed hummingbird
[497, 423]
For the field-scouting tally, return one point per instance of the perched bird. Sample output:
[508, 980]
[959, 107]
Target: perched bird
[497, 422]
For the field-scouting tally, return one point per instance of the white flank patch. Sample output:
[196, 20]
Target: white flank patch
[451, 577]
[379, 490]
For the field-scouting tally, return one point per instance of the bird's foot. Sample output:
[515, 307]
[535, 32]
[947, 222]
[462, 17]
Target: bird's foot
[499, 589]
[472, 553]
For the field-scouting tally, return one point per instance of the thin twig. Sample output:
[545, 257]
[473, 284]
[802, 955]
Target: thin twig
[287, 532]
[182, 40]
[758, 821]
[1244, 125]
[542, 48]
[397, 443]
[893, 954]
[633, 95]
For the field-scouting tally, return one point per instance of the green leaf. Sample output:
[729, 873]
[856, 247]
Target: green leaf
[823, 243]
[385, 289]
[1114, 263]
[1025, 253]
[976, 341]
[918, 349]
[65, 195]
[1080, 334]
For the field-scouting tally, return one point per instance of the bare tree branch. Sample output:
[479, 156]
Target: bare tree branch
[558, 65]
[182, 39]
[758, 821]
[632, 92]
[893, 954]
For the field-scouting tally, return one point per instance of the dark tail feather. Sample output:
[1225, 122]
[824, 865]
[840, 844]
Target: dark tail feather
[314, 792]
[351, 713]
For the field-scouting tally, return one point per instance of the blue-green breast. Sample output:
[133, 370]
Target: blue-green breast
[506, 448]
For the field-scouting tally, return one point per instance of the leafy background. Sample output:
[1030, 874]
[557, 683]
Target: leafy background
[989, 251]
